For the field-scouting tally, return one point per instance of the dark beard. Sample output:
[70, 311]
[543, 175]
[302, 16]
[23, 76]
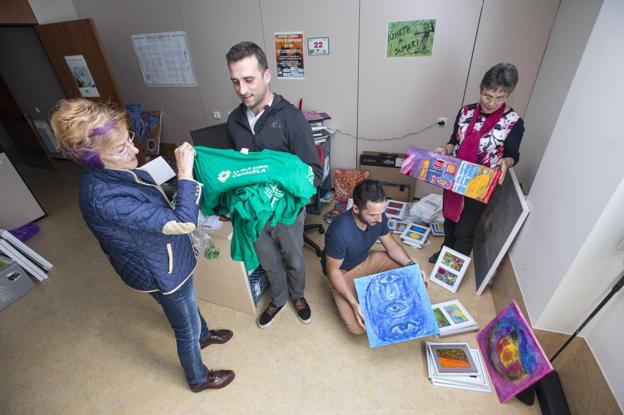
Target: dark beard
[361, 218]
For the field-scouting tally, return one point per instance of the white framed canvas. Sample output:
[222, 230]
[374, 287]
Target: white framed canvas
[437, 229]
[452, 359]
[392, 224]
[453, 318]
[449, 269]
[396, 209]
[400, 226]
[415, 234]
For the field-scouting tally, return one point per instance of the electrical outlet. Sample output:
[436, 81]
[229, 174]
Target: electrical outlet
[216, 115]
[442, 121]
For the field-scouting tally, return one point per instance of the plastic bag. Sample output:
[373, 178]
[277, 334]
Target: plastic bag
[428, 209]
[202, 242]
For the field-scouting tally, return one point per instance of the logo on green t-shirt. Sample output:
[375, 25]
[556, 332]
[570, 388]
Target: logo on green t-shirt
[224, 175]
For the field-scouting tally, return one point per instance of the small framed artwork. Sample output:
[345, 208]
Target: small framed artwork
[392, 224]
[415, 234]
[450, 268]
[451, 359]
[396, 209]
[453, 318]
[400, 226]
[437, 229]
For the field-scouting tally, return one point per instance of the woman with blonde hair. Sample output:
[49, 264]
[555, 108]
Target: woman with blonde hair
[146, 240]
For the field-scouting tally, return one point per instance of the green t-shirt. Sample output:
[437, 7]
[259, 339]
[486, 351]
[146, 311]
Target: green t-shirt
[253, 188]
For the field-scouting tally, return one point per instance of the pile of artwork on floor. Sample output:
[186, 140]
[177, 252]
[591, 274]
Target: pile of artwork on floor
[456, 365]
[412, 232]
[397, 308]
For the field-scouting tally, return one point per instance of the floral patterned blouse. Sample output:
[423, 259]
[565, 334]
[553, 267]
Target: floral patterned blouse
[502, 141]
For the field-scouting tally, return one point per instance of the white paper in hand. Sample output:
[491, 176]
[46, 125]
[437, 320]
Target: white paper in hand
[159, 169]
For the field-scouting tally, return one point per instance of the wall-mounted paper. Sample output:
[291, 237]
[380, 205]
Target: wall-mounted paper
[80, 71]
[289, 55]
[165, 59]
[413, 38]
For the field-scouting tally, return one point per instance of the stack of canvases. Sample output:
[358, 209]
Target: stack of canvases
[455, 365]
[33, 263]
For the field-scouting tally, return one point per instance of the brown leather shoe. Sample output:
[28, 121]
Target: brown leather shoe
[217, 337]
[216, 379]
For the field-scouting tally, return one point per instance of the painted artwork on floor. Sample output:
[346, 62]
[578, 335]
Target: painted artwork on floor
[449, 269]
[513, 356]
[396, 306]
[450, 173]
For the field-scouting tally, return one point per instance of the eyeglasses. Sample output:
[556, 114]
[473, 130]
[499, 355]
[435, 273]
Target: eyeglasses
[122, 150]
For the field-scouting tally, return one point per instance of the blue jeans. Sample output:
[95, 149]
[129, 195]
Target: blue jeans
[181, 310]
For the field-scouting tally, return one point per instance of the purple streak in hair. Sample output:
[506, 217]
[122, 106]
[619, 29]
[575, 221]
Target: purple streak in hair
[86, 158]
[105, 129]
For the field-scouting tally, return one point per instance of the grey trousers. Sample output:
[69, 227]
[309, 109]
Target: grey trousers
[280, 252]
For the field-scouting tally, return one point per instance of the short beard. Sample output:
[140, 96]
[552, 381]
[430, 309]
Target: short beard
[361, 218]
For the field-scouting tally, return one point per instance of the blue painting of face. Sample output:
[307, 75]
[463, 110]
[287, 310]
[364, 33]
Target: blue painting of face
[396, 306]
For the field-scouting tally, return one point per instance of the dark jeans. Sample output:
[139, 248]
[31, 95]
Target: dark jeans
[181, 310]
[460, 236]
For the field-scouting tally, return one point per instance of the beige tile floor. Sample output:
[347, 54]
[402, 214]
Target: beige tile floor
[83, 343]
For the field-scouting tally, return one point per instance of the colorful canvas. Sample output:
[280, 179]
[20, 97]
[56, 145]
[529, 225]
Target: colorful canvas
[457, 315]
[395, 209]
[513, 356]
[437, 229]
[452, 261]
[148, 139]
[400, 227]
[453, 318]
[449, 269]
[450, 173]
[452, 359]
[440, 318]
[396, 306]
[415, 234]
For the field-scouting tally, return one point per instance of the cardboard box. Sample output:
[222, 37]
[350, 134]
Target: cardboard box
[385, 167]
[377, 158]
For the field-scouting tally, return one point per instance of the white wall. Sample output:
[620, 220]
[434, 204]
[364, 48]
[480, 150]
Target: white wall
[566, 44]
[51, 11]
[330, 81]
[565, 257]
[402, 95]
[510, 31]
[384, 98]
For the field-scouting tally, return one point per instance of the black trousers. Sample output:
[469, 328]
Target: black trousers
[460, 236]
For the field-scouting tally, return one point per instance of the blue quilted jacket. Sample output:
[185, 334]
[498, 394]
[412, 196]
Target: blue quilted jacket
[145, 239]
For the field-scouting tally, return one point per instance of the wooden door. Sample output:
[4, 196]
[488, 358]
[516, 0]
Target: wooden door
[79, 37]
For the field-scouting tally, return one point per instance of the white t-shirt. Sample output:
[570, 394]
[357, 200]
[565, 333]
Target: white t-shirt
[252, 119]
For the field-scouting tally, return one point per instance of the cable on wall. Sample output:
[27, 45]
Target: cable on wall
[384, 139]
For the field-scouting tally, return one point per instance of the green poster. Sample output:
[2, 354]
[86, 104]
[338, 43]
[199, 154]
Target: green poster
[414, 38]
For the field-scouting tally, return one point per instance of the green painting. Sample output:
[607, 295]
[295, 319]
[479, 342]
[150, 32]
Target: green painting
[413, 38]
